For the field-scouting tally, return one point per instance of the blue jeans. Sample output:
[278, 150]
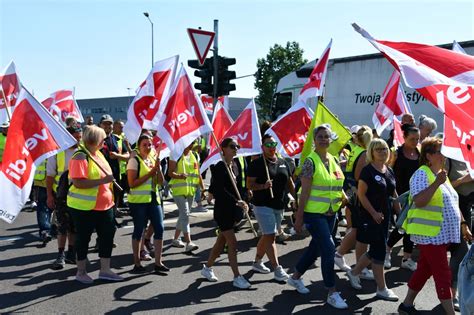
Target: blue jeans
[141, 213]
[43, 214]
[466, 283]
[320, 226]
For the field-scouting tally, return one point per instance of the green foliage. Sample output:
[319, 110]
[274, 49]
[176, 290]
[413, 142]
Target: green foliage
[279, 62]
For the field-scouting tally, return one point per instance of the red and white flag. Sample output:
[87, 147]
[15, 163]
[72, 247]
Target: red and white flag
[150, 97]
[61, 104]
[392, 103]
[161, 147]
[442, 76]
[458, 48]
[246, 131]
[34, 135]
[291, 130]
[315, 85]
[398, 139]
[183, 118]
[10, 89]
[221, 122]
[208, 102]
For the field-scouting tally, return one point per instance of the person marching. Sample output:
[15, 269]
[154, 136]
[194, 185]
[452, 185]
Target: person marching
[321, 197]
[91, 204]
[185, 179]
[144, 177]
[227, 212]
[269, 209]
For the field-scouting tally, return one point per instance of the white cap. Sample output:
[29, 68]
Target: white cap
[355, 128]
[5, 125]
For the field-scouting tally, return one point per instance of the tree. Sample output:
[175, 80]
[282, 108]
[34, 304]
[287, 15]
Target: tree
[279, 62]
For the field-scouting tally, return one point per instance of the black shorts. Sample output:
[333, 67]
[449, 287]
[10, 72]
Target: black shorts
[64, 219]
[227, 219]
[375, 235]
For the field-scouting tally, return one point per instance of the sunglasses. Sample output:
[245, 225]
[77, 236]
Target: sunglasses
[234, 146]
[270, 144]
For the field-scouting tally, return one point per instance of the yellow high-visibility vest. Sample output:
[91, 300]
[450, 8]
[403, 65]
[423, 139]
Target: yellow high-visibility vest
[60, 168]
[326, 187]
[427, 220]
[142, 193]
[188, 186]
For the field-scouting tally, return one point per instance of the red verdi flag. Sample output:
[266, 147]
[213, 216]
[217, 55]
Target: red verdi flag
[315, 85]
[183, 118]
[61, 104]
[221, 122]
[443, 76]
[291, 130]
[34, 135]
[150, 97]
[10, 89]
[246, 131]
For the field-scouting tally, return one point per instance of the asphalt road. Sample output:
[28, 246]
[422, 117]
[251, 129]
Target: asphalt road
[28, 285]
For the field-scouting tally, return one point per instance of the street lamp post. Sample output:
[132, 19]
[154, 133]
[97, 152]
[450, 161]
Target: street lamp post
[152, 45]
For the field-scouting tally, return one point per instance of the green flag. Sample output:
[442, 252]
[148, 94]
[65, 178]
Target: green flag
[324, 116]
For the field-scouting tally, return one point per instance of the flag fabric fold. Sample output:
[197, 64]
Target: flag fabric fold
[291, 140]
[221, 122]
[148, 101]
[33, 136]
[182, 118]
[315, 85]
[246, 131]
[10, 87]
[61, 104]
[392, 103]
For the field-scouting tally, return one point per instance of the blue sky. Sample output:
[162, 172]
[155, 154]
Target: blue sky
[103, 47]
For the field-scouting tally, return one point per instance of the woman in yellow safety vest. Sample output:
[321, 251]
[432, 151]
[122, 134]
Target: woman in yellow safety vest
[185, 179]
[90, 200]
[321, 197]
[144, 177]
[433, 222]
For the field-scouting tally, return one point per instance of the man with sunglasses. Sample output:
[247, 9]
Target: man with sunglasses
[269, 209]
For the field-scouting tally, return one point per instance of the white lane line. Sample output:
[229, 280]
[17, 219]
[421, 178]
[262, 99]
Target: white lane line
[10, 238]
[167, 221]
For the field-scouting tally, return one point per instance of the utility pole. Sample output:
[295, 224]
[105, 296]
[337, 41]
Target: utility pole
[216, 64]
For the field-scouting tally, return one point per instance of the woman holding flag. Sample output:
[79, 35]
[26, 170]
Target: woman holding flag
[321, 197]
[144, 177]
[91, 203]
[227, 212]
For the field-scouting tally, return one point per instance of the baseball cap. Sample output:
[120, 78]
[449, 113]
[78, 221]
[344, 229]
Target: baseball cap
[106, 117]
[355, 128]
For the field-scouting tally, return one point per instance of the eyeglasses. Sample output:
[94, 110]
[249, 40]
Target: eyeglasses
[270, 144]
[234, 146]
[381, 149]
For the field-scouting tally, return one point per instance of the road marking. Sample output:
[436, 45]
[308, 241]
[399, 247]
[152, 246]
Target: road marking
[10, 238]
[167, 221]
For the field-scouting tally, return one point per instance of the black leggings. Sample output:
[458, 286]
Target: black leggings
[395, 236]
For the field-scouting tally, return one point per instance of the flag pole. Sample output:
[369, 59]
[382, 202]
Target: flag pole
[233, 182]
[6, 107]
[268, 174]
[83, 147]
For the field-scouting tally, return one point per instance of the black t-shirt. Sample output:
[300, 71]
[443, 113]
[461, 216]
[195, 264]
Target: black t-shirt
[380, 186]
[279, 172]
[111, 145]
[404, 168]
[222, 189]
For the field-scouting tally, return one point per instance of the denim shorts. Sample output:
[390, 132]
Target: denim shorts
[268, 219]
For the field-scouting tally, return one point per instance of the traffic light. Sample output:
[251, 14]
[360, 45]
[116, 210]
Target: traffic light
[224, 76]
[205, 72]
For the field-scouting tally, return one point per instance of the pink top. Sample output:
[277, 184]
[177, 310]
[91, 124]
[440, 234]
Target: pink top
[105, 196]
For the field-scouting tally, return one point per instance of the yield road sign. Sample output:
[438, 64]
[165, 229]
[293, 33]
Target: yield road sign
[201, 41]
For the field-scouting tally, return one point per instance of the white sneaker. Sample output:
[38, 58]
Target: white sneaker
[388, 261]
[241, 283]
[387, 295]
[366, 274]
[208, 273]
[178, 243]
[298, 285]
[409, 264]
[342, 223]
[260, 267]
[336, 301]
[283, 237]
[279, 274]
[354, 280]
[199, 209]
[190, 247]
[340, 262]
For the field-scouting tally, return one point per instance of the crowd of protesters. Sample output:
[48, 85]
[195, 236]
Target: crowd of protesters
[387, 193]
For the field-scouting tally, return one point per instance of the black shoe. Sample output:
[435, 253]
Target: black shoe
[407, 310]
[59, 263]
[161, 268]
[71, 257]
[138, 269]
[45, 237]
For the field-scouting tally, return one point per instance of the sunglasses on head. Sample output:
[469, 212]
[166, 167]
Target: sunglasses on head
[270, 144]
[234, 146]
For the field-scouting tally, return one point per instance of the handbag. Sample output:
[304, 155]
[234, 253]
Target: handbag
[405, 203]
[466, 283]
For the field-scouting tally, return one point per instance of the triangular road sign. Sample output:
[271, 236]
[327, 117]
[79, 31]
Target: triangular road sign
[201, 41]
